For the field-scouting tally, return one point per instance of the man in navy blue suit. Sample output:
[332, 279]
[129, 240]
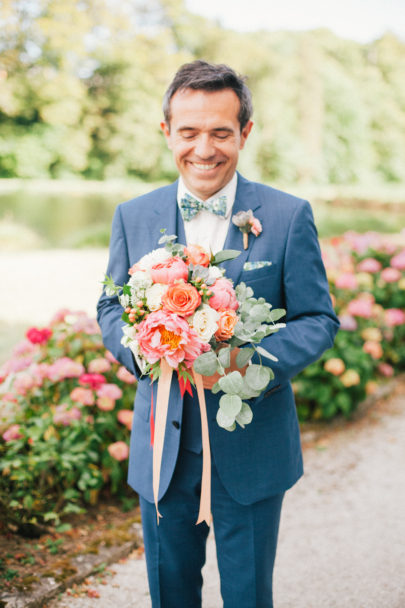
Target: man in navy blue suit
[207, 120]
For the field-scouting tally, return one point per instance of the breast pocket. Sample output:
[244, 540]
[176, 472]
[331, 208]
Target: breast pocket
[265, 283]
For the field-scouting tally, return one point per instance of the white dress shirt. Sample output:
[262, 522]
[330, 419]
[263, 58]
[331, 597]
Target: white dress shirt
[206, 228]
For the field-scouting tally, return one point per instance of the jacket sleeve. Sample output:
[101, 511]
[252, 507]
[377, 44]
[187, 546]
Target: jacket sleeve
[109, 310]
[311, 323]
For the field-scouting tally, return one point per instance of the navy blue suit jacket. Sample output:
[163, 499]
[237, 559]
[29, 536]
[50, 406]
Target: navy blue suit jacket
[264, 458]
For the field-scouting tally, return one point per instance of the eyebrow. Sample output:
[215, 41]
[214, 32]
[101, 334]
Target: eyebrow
[217, 129]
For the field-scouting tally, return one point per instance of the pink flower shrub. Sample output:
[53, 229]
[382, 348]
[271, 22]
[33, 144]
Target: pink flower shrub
[125, 376]
[110, 357]
[223, 295]
[106, 404]
[24, 382]
[85, 396]
[24, 347]
[169, 271]
[12, 433]
[373, 348]
[119, 450]
[369, 265]
[167, 335]
[348, 323]
[99, 366]
[394, 317]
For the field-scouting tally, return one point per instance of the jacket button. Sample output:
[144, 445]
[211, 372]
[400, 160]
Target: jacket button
[176, 424]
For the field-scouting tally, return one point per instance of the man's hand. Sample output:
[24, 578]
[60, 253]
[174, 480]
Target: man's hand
[209, 381]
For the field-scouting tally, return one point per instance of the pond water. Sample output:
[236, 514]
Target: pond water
[80, 218]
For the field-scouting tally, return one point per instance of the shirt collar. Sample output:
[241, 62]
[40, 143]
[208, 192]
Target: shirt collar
[229, 191]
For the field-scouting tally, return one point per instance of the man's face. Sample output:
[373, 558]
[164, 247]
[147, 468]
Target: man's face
[205, 138]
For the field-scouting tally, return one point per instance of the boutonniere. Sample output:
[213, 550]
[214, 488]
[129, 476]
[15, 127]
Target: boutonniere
[247, 222]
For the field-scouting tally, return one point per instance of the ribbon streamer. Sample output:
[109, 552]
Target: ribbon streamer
[162, 404]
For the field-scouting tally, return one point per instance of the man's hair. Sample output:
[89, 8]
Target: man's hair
[202, 76]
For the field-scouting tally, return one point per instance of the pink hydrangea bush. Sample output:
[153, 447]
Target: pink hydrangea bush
[67, 420]
[367, 281]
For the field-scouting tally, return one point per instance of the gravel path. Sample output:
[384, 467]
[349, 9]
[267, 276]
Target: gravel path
[342, 536]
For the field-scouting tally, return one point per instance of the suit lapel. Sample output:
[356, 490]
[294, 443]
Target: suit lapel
[166, 216]
[246, 198]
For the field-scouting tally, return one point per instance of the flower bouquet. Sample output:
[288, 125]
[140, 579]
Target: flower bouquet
[180, 308]
[181, 313]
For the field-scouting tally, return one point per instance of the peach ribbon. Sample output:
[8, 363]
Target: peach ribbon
[161, 409]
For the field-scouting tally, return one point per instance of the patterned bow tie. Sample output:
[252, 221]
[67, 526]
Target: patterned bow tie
[190, 206]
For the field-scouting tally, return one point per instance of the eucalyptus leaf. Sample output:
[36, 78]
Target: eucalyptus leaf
[257, 377]
[230, 405]
[224, 356]
[244, 356]
[231, 383]
[223, 420]
[223, 256]
[206, 364]
[276, 314]
[265, 353]
[259, 312]
[245, 415]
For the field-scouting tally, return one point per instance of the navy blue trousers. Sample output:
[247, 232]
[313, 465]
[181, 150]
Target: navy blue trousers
[245, 535]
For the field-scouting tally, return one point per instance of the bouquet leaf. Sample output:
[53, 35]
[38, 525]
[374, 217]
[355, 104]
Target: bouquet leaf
[224, 256]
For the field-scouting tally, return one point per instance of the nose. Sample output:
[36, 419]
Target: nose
[204, 147]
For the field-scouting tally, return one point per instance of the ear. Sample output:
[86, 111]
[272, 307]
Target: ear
[245, 133]
[166, 132]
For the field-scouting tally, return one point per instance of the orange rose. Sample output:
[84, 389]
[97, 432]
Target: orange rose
[197, 255]
[226, 324]
[373, 348]
[181, 298]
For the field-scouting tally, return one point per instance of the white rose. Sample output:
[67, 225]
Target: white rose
[129, 332]
[140, 280]
[215, 273]
[204, 321]
[124, 300]
[157, 256]
[154, 295]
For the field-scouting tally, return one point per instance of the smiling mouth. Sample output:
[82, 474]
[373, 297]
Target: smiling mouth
[205, 166]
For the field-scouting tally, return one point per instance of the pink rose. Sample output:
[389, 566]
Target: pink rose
[373, 348]
[125, 376]
[112, 391]
[398, 261]
[223, 295]
[361, 307]
[125, 417]
[119, 450]
[390, 275]
[386, 370]
[169, 271]
[38, 336]
[110, 357]
[182, 299]
[106, 404]
[197, 255]
[13, 432]
[348, 323]
[167, 335]
[394, 316]
[369, 265]
[59, 316]
[64, 414]
[346, 280]
[24, 382]
[23, 348]
[99, 366]
[94, 381]
[256, 226]
[65, 368]
[82, 395]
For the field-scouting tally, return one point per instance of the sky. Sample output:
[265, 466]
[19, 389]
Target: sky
[361, 20]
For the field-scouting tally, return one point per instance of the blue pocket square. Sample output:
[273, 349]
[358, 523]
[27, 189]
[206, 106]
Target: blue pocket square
[255, 265]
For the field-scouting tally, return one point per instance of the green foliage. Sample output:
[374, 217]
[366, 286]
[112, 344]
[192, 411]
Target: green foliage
[81, 89]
